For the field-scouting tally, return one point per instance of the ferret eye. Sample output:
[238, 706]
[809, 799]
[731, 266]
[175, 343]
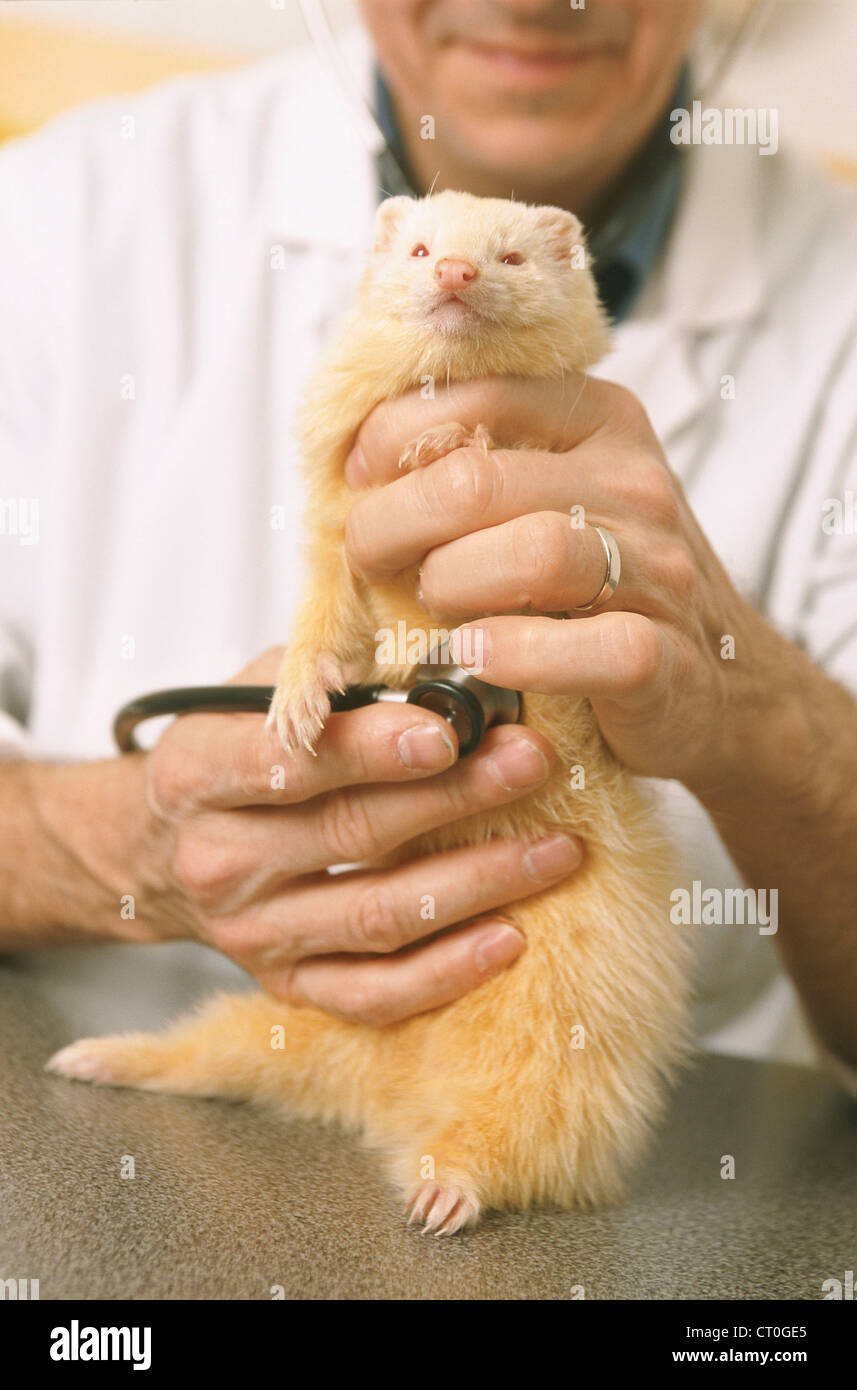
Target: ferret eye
[512, 258]
[420, 250]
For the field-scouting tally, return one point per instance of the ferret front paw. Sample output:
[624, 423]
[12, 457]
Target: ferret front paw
[301, 703]
[441, 440]
[442, 1208]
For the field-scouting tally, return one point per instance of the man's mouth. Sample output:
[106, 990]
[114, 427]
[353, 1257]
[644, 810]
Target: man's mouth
[528, 65]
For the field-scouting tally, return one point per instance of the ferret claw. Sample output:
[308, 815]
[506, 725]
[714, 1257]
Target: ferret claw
[419, 1201]
[442, 1210]
[455, 1221]
[483, 439]
[441, 440]
[299, 710]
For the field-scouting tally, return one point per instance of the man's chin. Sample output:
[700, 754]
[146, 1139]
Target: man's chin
[527, 137]
[526, 160]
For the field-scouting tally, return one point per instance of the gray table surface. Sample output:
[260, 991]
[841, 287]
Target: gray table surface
[228, 1202]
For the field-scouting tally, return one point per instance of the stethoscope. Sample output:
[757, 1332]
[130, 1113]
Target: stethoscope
[468, 704]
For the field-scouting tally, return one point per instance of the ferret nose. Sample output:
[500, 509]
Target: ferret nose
[454, 274]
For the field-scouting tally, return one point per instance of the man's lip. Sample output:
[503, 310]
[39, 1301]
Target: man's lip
[523, 59]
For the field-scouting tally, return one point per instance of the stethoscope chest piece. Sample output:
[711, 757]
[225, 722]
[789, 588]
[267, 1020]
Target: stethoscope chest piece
[468, 704]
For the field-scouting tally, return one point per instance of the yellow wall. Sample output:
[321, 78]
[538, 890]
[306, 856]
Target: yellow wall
[46, 69]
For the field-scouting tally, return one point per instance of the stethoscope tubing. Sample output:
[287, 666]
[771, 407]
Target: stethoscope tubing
[223, 699]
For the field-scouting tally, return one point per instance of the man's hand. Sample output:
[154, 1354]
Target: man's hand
[220, 836]
[504, 533]
[766, 741]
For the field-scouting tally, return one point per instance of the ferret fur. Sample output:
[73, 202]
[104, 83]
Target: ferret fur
[542, 1085]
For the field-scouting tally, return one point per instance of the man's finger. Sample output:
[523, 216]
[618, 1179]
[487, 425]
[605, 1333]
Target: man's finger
[389, 529]
[355, 824]
[365, 823]
[553, 413]
[537, 562]
[618, 656]
[223, 761]
[384, 990]
[382, 911]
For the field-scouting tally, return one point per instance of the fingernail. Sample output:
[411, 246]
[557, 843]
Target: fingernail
[498, 947]
[470, 648]
[424, 746]
[419, 591]
[559, 854]
[518, 763]
[356, 470]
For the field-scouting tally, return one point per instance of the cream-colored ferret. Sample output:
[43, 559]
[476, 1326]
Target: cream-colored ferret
[539, 1086]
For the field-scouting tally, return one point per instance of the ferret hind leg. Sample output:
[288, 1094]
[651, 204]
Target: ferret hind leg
[501, 1153]
[238, 1047]
[455, 1173]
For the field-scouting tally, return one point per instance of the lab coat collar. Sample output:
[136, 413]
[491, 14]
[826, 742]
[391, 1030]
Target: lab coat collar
[713, 270]
[710, 278]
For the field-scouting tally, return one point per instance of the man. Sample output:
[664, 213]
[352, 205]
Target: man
[170, 267]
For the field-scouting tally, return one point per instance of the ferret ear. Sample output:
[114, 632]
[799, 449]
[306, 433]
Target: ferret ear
[562, 231]
[387, 220]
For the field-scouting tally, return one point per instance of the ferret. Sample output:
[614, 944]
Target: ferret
[542, 1085]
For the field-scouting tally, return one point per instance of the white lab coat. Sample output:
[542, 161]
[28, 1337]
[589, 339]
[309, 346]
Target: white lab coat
[170, 267]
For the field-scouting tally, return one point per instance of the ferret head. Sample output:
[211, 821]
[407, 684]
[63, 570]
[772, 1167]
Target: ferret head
[503, 282]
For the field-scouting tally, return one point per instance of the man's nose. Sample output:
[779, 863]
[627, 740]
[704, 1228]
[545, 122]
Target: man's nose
[454, 274]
